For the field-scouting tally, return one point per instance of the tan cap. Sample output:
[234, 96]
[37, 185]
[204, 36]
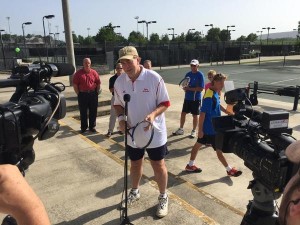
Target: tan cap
[292, 152]
[128, 52]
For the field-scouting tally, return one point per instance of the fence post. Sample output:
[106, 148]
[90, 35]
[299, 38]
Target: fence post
[296, 99]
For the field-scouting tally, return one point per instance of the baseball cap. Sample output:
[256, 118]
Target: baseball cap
[292, 152]
[128, 52]
[194, 62]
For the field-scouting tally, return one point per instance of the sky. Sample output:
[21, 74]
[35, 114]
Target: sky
[248, 16]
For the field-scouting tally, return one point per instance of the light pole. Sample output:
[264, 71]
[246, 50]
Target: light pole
[8, 18]
[88, 29]
[142, 21]
[228, 31]
[137, 24]
[2, 47]
[172, 28]
[260, 31]
[209, 25]
[47, 17]
[147, 23]
[23, 25]
[268, 28]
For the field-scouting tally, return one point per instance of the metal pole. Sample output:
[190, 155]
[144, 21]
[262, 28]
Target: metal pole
[3, 54]
[68, 36]
[45, 42]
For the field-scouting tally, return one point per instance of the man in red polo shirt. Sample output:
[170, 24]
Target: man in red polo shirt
[86, 83]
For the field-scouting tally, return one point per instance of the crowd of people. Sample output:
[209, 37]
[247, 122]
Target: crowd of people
[147, 90]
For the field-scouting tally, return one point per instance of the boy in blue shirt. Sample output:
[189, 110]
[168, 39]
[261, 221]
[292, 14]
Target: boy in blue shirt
[206, 134]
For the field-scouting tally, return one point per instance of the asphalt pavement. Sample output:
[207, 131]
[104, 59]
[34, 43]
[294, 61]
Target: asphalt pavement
[80, 177]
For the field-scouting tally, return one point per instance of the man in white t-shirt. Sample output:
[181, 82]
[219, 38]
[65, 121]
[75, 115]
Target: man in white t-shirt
[149, 100]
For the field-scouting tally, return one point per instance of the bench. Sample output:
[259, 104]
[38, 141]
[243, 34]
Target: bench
[290, 91]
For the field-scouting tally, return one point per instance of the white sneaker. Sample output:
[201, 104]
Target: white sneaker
[131, 198]
[193, 134]
[162, 208]
[178, 132]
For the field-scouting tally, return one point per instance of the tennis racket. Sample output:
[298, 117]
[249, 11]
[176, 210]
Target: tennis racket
[141, 134]
[184, 82]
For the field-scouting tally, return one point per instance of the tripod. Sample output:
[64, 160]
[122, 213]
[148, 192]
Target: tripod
[261, 210]
[124, 211]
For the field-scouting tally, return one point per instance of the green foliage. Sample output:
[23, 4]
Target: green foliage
[106, 33]
[252, 37]
[213, 34]
[241, 38]
[225, 35]
[154, 38]
[193, 36]
[180, 38]
[136, 37]
[165, 39]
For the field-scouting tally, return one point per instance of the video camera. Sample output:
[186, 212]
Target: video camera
[32, 112]
[260, 139]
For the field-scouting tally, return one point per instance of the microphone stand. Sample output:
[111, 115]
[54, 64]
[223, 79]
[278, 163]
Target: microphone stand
[125, 219]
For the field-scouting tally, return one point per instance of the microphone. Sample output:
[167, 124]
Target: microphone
[126, 98]
[64, 69]
[292, 152]
[9, 83]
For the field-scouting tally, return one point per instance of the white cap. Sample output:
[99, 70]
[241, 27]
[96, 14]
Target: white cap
[194, 62]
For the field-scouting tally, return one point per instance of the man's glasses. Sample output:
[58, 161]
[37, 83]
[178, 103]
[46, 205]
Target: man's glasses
[119, 68]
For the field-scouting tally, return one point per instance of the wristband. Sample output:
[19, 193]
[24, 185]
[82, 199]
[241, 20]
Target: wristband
[121, 118]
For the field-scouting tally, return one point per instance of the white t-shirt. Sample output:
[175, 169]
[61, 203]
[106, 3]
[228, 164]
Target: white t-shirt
[146, 93]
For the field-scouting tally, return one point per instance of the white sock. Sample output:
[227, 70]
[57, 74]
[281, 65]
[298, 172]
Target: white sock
[134, 190]
[191, 162]
[164, 195]
[228, 168]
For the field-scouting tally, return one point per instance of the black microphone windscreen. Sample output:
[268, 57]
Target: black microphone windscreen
[64, 69]
[126, 97]
[9, 83]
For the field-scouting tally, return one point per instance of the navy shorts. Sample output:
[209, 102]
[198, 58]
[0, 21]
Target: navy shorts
[192, 107]
[154, 154]
[216, 141]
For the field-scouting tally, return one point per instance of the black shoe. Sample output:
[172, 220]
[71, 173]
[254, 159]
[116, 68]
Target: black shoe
[93, 130]
[120, 132]
[108, 134]
[82, 131]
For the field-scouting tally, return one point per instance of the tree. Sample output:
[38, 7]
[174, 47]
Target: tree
[165, 39]
[75, 38]
[80, 39]
[136, 37]
[106, 33]
[225, 35]
[241, 38]
[193, 36]
[252, 37]
[154, 38]
[213, 34]
[180, 38]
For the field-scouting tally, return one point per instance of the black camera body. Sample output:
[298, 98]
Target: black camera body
[259, 138]
[32, 112]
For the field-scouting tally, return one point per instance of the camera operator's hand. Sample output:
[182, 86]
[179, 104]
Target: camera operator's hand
[19, 200]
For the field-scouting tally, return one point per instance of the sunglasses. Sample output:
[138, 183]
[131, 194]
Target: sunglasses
[119, 68]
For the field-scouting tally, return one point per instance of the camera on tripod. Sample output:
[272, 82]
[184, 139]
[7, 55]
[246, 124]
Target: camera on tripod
[32, 112]
[260, 139]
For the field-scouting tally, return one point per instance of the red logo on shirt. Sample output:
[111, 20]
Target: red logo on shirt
[146, 90]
